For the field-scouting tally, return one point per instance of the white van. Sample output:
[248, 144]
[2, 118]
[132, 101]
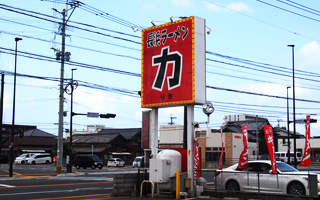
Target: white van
[22, 158]
[283, 156]
[39, 158]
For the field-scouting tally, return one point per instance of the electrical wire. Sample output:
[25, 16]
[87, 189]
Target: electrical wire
[265, 95]
[270, 24]
[299, 8]
[288, 11]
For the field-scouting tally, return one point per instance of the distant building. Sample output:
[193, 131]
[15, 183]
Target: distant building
[34, 140]
[108, 143]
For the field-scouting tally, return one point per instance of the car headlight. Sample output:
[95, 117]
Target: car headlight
[95, 163]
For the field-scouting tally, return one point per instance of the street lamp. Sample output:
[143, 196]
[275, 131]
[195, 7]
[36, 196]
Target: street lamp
[71, 115]
[294, 111]
[13, 110]
[288, 123]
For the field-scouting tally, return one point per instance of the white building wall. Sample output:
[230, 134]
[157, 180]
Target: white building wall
[237, 141]
[215, 140]
[238, 146]
[171, 134]
[300, 143]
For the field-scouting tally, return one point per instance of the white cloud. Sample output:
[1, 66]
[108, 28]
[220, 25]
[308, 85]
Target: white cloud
[181, 2]
[99, 102]
[239, 7]
[310, 54]
[148, 6]
[232, 6]
[213, 7]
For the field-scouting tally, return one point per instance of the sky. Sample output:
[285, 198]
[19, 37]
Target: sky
[248, 63]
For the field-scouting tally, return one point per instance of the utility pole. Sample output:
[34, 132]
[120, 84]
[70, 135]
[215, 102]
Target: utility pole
[1, 109]
[61, 95]
[61, 98]
[171, 123]
[257, 137]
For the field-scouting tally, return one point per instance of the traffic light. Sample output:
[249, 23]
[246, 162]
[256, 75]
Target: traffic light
[311, 121]
[21, 132]
[107, 115]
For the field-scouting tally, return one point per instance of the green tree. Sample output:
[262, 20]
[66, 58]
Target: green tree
[66, 148]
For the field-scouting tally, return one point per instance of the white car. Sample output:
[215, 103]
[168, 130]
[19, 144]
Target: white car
[115, 162]
[259, 178]
[22, 158]
[39, 158]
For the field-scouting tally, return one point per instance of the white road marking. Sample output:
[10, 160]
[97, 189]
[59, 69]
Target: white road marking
[4, 185]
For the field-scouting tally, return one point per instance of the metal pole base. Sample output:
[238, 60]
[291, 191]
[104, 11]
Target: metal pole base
[58, 170]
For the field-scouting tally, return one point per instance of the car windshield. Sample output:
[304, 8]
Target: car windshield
[137, 159]
[32, 156]
[283, 167]
[95, 158]
[23, 155]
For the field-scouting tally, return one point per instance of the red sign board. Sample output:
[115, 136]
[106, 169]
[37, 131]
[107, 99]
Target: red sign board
[168, 75]
[145, 129]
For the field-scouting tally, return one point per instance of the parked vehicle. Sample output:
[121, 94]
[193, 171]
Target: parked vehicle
[38, 158]
[115, 162]
[283, 156]
[267, 157]
[87, 160]
[4, 158]
[287, 180]
[22, 158]
[138, 162]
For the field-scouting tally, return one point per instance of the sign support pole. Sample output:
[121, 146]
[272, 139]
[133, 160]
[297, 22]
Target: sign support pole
[154, 132]
[190, 145]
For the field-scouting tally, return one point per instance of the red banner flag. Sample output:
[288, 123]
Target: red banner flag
[268, 134]
[196, 161]
[243, 159]
[305, 162]
[222, 144]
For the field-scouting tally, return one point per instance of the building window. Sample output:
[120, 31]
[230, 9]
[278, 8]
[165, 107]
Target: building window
[212, 159]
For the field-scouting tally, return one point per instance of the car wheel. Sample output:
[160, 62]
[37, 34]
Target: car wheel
[100, 167]
[117, 165]
[77, 166]
[47, 161]
[84, 167]
[296, 189]
[22, 162]
[93, 167]
[232, 186]
[124, 165]
[33, 162]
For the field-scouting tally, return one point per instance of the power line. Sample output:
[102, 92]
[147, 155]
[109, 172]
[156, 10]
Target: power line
[253, 93]
[275, 73]
[303, 6]
[299, 8]
[49, 16]
[258, 80]
[50, 59]
[270, 24]
[263, 65]
[288, 11]
[83, 29]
